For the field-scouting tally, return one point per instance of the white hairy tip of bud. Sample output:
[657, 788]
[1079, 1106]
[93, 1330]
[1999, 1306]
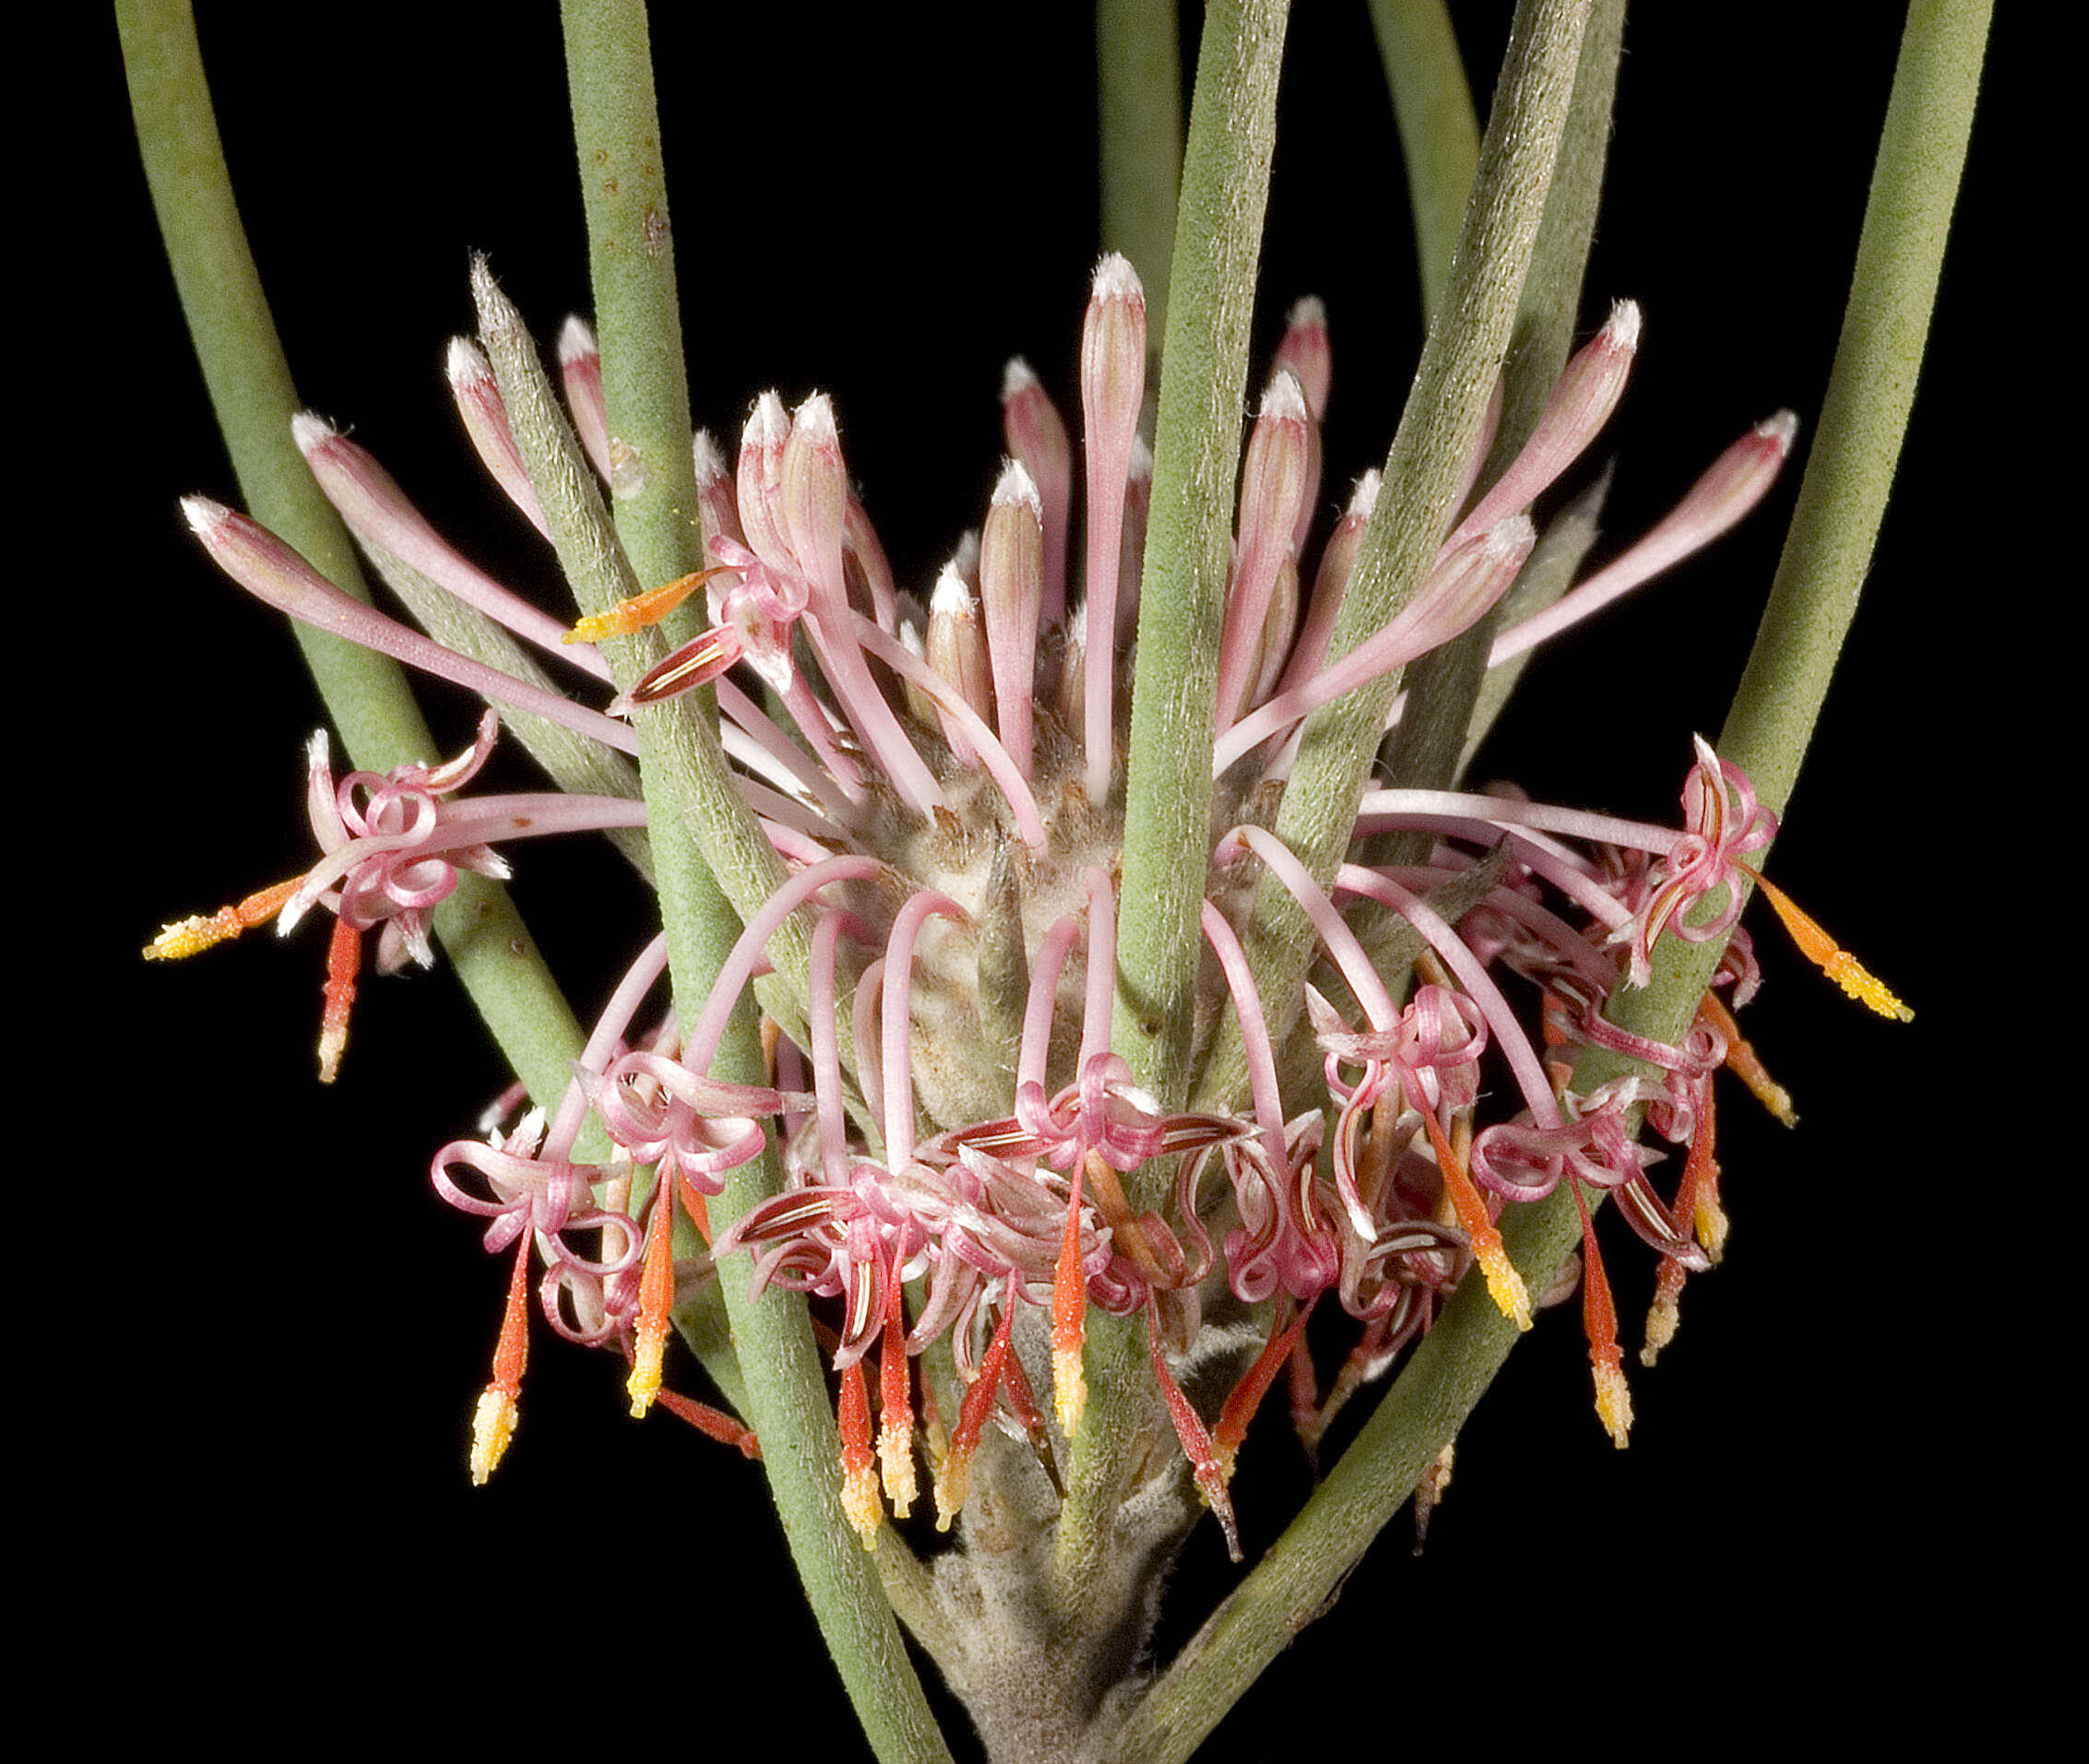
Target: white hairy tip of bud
[311, 430]
[1116, 280]
[1285, 399]
[576, 342]
[952, 599]
[1783, 428]
[203, 516]
[1622, 327]
[1016, 378]
[463, 362]
[815, 419]
[1511, 538]
[1139, 467]
[1016, 485]
[1307, 311]
[709, 461]
[768, 424]
[1364, 497]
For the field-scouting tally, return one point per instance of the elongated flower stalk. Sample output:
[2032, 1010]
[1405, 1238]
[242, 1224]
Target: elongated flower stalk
[958, 1164]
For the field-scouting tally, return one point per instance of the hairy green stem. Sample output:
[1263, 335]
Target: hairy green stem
[793, 1416]
[616, 130]
[689, 789]
[1444, 686]
[1196, 454]
[1921, 151]
[1439, 429]
[1168, 799]
[631, 267]
[1432, 105]
[1139, 83]
[1864, 415]
[249, 381]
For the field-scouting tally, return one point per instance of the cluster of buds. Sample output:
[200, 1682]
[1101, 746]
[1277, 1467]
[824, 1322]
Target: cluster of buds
[943, 780]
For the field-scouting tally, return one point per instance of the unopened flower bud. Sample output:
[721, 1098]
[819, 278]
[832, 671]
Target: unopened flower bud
[718, 503]
[1113, 382]
[1581, 404]
[1011, 588]
[485, 417]
[1305, 352]
[1036, 434]
[760, 484]
[957, 649]
[1273, 485]
[815, 495]
[580, 366]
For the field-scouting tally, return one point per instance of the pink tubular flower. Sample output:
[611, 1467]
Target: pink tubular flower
[1722, 821]
[940, 769]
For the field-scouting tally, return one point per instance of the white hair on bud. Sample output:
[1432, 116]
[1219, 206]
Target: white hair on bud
[465, 360]
[316, 751]
[768, 424]
[1075, 627]
[1511, 538]
[1016, 378]
[1116, 280]
[1782, 428]
[952, 599]
[1016, 485]
[1309, 311]
[709, 461]
[202, 514]
[1622, 327]
[1364, 497]
[965, 560]
[1284, 399]
[1139, 466]
[815, 417]
[576, 342]
[310, 430]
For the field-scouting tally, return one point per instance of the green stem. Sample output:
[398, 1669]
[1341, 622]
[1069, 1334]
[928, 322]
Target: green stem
[617, 129]
[1438, 430]
[1443, 685]
[1921, 151]
[689, 789]
[1168, 812]
[793, 1416]
[1433, 104]
[249, 381]
[1196, 453]
[1864, 415]
[1139, 83]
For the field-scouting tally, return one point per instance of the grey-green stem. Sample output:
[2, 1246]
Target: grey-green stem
[1445, 685]
[1168, 812]
[1139, 86]
[250, 390]
[1432, 106]
[1439, 428]
[1921, 152]
[690, 794]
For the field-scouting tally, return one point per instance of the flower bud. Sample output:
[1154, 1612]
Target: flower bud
[1011, 590]
[1036, 434]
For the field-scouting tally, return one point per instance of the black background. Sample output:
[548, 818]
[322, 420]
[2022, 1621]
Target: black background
[886, 216]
